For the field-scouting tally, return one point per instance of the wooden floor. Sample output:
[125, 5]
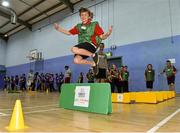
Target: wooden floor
[42, 113]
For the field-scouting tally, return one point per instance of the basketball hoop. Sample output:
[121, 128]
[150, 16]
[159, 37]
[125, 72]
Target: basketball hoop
[34, 55]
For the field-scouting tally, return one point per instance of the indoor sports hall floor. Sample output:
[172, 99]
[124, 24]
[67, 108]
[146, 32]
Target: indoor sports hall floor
[41, 113]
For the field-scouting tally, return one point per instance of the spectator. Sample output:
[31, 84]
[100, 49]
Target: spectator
[68, 74]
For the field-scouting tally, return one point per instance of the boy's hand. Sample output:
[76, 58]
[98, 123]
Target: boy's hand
[110, 29]
[106, 35]
[56, 26]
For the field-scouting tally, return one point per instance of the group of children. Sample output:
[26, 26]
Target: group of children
[118, 78]
[15, 82]
[169, 71]
[39, 82]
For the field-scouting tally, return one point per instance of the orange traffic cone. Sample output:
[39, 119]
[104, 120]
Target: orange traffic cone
[17, 118]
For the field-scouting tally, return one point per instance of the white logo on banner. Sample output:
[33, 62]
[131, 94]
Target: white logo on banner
[82, 96]
[120, 98]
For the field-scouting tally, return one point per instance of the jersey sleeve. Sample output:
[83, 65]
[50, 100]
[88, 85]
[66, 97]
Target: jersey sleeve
[74, 30]
[98, 30]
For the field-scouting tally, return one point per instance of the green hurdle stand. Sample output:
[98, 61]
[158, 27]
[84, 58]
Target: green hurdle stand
[99, 97]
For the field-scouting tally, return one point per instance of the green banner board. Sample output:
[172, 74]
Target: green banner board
[90, 97]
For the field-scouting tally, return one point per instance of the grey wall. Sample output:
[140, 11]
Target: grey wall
[133, 21]
[2, 51]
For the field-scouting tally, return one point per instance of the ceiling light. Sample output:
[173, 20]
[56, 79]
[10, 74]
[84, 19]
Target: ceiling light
[5, 3]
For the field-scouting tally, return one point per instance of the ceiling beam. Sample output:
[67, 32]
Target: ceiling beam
[5, 15]
[68, 4]
[57, 12]
[1, 35]
[44, 12]
[33, 6]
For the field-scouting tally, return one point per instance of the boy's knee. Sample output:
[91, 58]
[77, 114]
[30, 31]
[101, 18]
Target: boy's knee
[74, 49]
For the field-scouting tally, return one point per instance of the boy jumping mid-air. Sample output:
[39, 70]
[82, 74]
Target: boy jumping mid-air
[90, 35]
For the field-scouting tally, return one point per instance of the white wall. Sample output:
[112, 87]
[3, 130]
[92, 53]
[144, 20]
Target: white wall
[2, 51]
[133, 21]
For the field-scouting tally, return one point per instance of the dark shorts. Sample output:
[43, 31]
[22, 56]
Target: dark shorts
[149, 84]
[86, 46]
[101, 74]
[125, 85]
[171, 80]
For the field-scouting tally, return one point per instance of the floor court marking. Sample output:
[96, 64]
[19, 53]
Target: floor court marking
[31, 112]
[2, 114]
[164, 121]
[39, 111]
[152, 130]
[34, 107]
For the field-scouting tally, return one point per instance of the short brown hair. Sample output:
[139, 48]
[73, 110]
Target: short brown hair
[82, 9]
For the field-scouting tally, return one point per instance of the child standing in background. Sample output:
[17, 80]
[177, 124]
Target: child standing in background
[90, 76]
[102, 65]
[149, 77]
[113, 78]
[67, 74]
[170, 71]
[125, 79]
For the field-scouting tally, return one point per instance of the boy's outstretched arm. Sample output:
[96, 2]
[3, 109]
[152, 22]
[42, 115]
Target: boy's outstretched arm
[106, 35]
[60, 29]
